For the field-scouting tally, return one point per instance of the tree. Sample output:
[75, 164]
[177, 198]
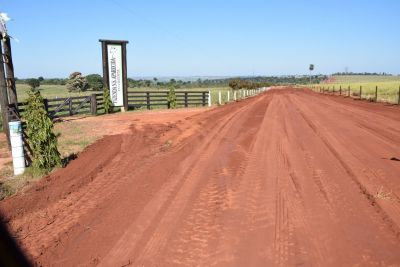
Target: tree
[311, 68]
[77, 82]
[234, 84]
[41, 79]
[95, 82]
[33, 83]
[39, 129]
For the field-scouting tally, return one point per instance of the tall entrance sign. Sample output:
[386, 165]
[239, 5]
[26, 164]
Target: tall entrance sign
[115, 72]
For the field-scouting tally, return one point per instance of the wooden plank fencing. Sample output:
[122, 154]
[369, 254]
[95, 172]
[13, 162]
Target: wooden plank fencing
[69, 106]
[159, 99]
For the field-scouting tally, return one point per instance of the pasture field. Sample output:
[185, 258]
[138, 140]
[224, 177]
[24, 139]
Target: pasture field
[388, 86]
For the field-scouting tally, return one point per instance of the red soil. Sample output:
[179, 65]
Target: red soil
[289, 177]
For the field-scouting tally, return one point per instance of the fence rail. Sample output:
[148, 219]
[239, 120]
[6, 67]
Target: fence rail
[69, 106]
[374, 95]
[149, 99]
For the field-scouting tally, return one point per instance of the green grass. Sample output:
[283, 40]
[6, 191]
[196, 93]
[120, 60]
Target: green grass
[388, 86]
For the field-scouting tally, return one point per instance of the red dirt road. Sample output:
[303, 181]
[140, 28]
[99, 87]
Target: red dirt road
[286, 178]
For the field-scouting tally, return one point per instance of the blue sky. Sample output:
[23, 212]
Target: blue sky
[206, 38]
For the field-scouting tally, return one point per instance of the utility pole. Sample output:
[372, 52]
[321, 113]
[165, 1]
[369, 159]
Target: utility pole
[4, 100]
[9, 67]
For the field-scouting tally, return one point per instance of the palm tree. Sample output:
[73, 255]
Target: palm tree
[311, 68]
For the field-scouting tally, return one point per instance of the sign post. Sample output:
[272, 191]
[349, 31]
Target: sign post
[115, 71]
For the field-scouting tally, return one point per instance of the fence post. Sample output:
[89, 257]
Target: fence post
[209, 98]
[398, 100]
[333, 90]
[204, 98]
[340, 90]
[228, 96]
[186, 99]
[349, 91]
[70, 107]
[46, 104]
[219, 98]
[148, 100]
[360, 91]
[93, 104]
[234, 96]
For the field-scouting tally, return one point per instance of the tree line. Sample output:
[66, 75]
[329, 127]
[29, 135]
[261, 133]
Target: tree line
[78, 82]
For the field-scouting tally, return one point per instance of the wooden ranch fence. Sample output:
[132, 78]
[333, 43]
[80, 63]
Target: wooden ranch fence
[69, 106]
[153, 99]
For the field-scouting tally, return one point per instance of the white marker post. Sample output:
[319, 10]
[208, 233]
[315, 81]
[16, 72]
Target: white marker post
[234, 96]
[219, 98]
[17, 147]
[209, 98]
[228, 96]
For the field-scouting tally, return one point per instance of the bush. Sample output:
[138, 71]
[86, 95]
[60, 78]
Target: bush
[77, 82]
[107, 101]
[39, 129]
[33, 83]
[171, 98]
[95, 82]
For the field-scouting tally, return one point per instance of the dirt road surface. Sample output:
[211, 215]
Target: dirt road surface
[289, 177]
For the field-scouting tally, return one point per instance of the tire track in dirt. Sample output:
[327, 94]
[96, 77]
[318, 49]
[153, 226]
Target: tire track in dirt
[172, 208]
[366, 188]
[281, 179]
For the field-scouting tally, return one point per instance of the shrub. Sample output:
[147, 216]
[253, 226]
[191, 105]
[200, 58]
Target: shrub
[39, 129]
[33, 83]
[171, 98]
[77, 82]
[95, 82]
[107, 101]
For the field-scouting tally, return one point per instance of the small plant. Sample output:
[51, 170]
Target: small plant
[171, 98]
[382, 194]
[41, 139]
[77, 82]
[107, 101]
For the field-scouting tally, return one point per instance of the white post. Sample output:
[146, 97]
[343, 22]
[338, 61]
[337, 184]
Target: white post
[219, 98]
[228, 95]
[234, 96]
[17, 147]
[209, 98]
